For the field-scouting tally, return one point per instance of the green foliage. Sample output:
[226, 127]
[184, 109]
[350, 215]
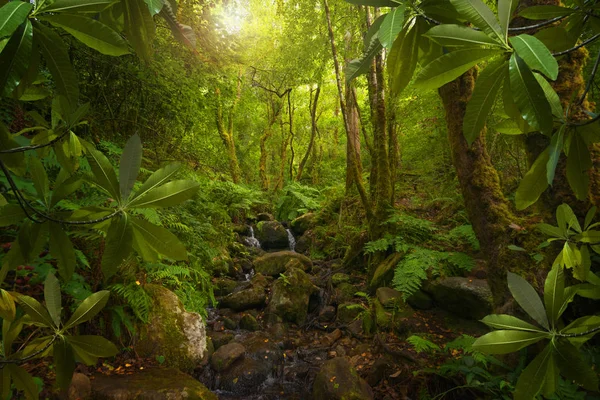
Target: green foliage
[422, 345]
[295, 200]
[135, 297]
[462, 236]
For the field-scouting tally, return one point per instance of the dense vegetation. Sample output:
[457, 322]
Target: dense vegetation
[144, 143]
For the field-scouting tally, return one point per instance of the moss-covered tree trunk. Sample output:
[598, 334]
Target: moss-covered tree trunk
[314, 101]
[272, 114]
[225, 129]
[486, 206]
[353, 160]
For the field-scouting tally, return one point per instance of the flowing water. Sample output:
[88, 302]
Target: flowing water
[292, 240]
[251, 241]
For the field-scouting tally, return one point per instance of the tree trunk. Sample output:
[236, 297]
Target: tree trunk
[272, 114]
[353, 142]
[486, 206]
[313, 130]
[226, 134]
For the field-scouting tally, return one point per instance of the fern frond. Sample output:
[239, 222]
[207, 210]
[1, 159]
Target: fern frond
[135, 297]
[422, 345]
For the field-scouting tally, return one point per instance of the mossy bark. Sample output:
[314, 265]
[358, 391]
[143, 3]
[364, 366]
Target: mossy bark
[225, 129]
[486, 206]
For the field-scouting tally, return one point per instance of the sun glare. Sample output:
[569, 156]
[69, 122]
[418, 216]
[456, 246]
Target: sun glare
[234, 16]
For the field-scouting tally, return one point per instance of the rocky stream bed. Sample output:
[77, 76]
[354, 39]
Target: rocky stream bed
[288, 327]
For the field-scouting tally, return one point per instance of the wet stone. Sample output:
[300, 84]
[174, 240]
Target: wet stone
[226, 355]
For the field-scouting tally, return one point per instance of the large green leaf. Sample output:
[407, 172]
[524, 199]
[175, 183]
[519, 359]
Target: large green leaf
[551, 96]
[579, 161]
[96, 346]
[545, 12]
[16, 161]
[53, 298]
[554, 152]
[554, 289]
[141, 246]
[573, 367]
[62, 249]
[160, 239]
[12, 15]
[450, 35]
[88, 308]
[183, 33]
[7, 306]
[129, 168]
[139, 27]
[555, 38]
[103, 171]
[90, 32]
[452, 65]
[15, 57]
[154, 6]
[566, 219]
[481, 16]
[534, 183]
[64, 362]
[504, 321]
[529, 96]
[403, 57]
[507, 341]
[533, 377]
[11, 214]
[535, 54]
[506, 9]
[65, 188]
[361, 65]
[167, 195]
[158, 178]
[391, 26]
[35, 310]
[77, 6]
[527, 298]
[118, 245]
[57, 60]
[484, 96]
[40, 178]
[23, 381]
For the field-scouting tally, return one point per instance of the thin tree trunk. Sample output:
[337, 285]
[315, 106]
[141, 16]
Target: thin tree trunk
[353, 143]
[313, 130]
[291, 120]
[226, 134]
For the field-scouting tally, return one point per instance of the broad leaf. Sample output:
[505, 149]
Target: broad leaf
[533, 377]
[77, 6]
[487, 86]
[554, 294]
[64, 362]
[589, 217]
[12, 15]
[118, 245]
[129, 168]
[52, 297]
[90, 32]
[450, 66]
[7, 306]
[158, 178]
[154, 6]
[65, 188]
[554, 152]
[15, 162]
[555, 38]
[40, 178]
[391, 26]
[11, 214]
[535, 54]
[534, 183]
[507, 341]
[95, 346]
[503, 321]
[527, 298]
[481, 16]
[449, 35]
[23, 381]
[506, 9]
[139, 27]
[579, 162]
[403, 57]
[573, 367]
[184, 33]
[160, 239]
[551, 96]
[529, 96]
[361, 66]
[566, 219]
[88, 308]
[103, 171]
[167, 195]
[15, 57]
[35, 310]
[62, 249]
[545, 12]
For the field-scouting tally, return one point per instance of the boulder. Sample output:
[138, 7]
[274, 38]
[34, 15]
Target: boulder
[420, 300]
[265, 217]
[338, 380]
[344, 293]
[384, 273]
[172, 332]
[80, 388]
[348, 312]
[242, 230]
[389, 298]
[150, 383]
[224, 286]
[273, 264]
[272, 235]
[303, 223]
[466, 297]
[304, 243]
[291, 295]
[254, 297]
[220, 339]
[249, 323]
[226, 355]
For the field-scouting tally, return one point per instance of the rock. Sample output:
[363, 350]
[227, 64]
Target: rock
[224, 286]
[344, 293]
[389, 298]
[172, 332]
[273, 264]
[220, 339]
[303, 223]
[272, 235]
[223, 265]
[420, 300]
[327, 314]
[243, 300]
[338, 278]
[229, 323]
[384, 273]
[382, 367]
[244, 377]
[348, 312]
[331, 338]
[243, 230]
[304, 243]
[265, 217]
[338, 380]
[260, 280]
[80, 388]
[291, 295]
[249, 323]
[226, 355]
[278, 330]
[150, 383]
[467, 297]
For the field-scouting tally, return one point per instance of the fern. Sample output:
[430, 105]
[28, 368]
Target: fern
[459, 263]
[135, 297]
[422, 345]
[408, 277]
[414, 230]
[296, 200]
[462, 235]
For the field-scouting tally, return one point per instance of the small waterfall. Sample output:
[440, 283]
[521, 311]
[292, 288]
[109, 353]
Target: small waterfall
[292, 240]
[252, 241]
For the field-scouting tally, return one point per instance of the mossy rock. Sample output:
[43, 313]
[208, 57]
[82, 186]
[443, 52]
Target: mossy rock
[338, 278]
[384, 273]
[272, 235]
[338, 380]
[420, 301]
[226, 355]
[220, 339]
[466, 297]
[389, 298]
[348, 312]
[291, 295]
[303, 223]
[273, 264]
[243, 300]
[173, 333]
[224, 286]
[150, 383]
[344, 292]
[249, 323]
